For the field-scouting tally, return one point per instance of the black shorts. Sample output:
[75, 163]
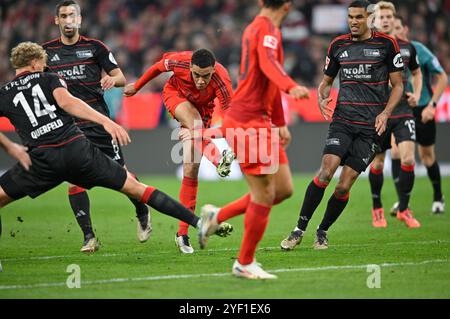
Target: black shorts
[78, 162]
[103, 140]
[426, 132]
[356, 146]
[403, 129]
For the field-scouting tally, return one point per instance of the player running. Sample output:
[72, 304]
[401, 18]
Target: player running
[424, 116]
[80, 61]
[401, 125]
[189, 97]
[255, 108]
[39, 105]
[367, 61]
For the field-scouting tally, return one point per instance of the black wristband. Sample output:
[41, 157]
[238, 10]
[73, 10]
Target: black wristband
[434, 104]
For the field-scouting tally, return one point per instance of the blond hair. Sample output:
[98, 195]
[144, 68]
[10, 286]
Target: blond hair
[385, 5]
[25, 52]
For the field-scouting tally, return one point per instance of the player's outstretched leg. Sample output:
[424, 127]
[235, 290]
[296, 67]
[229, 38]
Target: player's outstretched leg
[80, 204]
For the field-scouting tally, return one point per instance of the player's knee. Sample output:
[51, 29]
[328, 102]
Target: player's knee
[342, 189]
[325, 175]
[408, 160]
[427, 158]
[284, 193]
[377, 165]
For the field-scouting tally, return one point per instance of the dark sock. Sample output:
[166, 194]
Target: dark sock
[434, 174]
[168, 206]
[395, 174]
[376, 180]
[141, 208]
[313, 197]
[81, 208]
[335, 207]
[406, 184]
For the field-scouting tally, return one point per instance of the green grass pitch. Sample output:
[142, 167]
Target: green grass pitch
[41, 239]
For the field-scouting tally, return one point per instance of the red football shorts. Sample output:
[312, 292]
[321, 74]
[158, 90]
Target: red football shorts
[256, 145]
[173, 97]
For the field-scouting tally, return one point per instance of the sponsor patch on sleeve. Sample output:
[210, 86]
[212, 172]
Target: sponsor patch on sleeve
[112, 59]
[327, 61]
[270, 42]
[398, 61]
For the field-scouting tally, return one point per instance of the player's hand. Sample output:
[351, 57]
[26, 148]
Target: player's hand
[413, 99]
[185, 134]
[19, 152]
[326, 111]
[428, 113]
[285, 136]
[117, 132]
[129, 90]
[107, 82]
[381, 122]
[299, 92]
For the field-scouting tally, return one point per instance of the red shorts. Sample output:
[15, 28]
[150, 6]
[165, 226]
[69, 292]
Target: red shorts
[173, 97]
[256, 145]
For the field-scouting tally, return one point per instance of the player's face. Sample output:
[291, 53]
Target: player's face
[357, 21]
[69, 21]
[201, 76]
[399, 29]
[384, 20]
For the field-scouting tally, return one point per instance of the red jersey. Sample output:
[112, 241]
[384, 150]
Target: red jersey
[179, 63]
[262, 75]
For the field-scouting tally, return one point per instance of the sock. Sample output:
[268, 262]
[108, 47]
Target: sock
[141, 208]
[313, 197]
[188, 197]
[336, 205]
[255, 223]
[395, 168]
[406, 184]
[434, 174]
[79, 201]
[376, 179]
[233, 209]
[168, 206]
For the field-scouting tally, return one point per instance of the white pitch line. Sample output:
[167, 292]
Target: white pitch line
[429, 242]
[190, 276]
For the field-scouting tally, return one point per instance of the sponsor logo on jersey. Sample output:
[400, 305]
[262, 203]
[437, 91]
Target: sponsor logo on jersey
[77, 72]
[270, 42]
[343, 55]
[363, 71]
[398, 61]
[371, 52]
[84, 54]
[55, 58]
[111, 58]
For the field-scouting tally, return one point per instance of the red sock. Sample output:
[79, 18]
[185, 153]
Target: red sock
[233, 209]
[188, 197]
[256, 220]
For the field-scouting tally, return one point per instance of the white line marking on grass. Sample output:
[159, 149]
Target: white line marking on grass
[190, 276]
[171, 251]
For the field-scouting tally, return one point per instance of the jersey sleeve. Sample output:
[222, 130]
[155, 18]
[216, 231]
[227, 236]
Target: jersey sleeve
[414, 59]
[55, 81]
[393, 57]
[267, 50]
[224, 89]
[332, 65]
[151, 73]
[432, 64]
[105, 58]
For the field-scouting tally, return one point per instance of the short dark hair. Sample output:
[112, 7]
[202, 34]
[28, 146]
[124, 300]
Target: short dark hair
[402, 20]
[275, 4]
[203, 58]
[67, 3]
[360, 4]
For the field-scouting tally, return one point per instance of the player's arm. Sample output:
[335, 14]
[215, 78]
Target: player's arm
[19, 152]
[441, 83]
[151, 73]
[396, 94]
[273, 70]
[114, 78]
[80, 109]
[323, 96]
[416, 79]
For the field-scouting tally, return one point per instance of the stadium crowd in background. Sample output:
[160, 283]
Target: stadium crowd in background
[139, 31]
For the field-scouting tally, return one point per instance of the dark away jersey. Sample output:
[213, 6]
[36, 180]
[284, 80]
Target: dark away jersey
[364, 76]
[409, 56]
[28, 102]
[81, 65]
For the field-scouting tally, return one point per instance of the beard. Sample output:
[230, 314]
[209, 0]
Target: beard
[69, 34]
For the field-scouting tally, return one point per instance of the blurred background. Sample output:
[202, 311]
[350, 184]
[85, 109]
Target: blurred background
[138, 32]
